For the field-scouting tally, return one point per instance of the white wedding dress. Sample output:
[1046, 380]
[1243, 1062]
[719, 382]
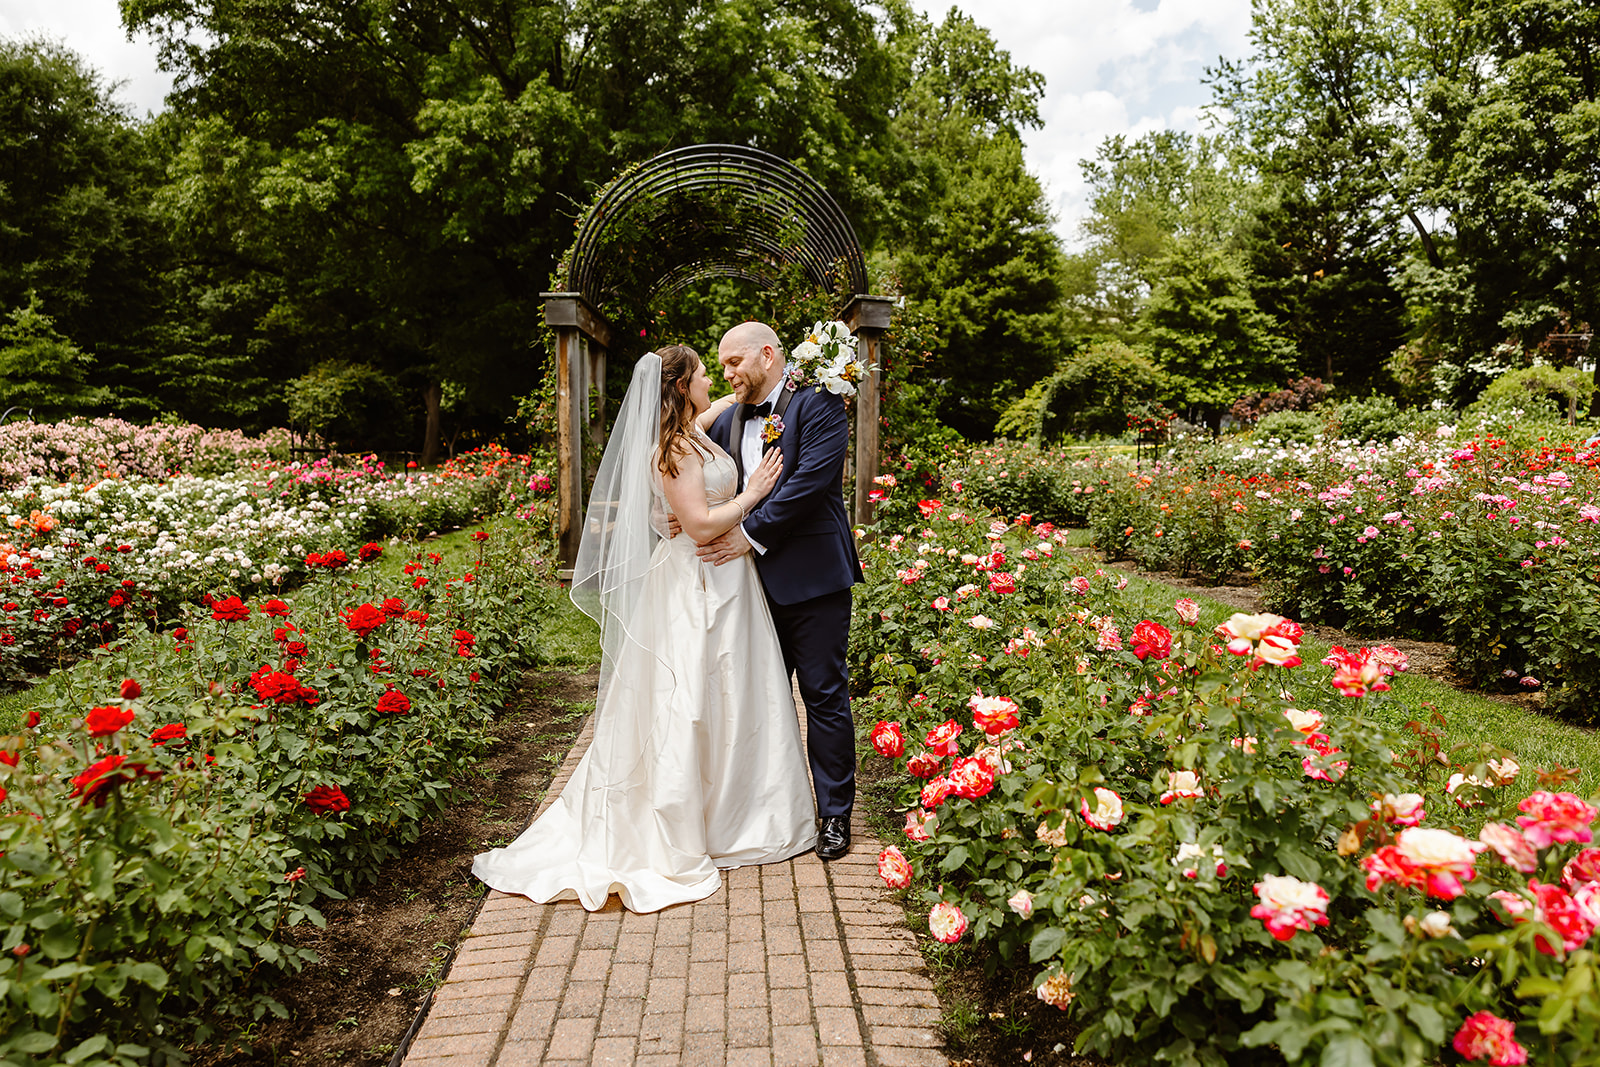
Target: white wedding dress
[696, 762]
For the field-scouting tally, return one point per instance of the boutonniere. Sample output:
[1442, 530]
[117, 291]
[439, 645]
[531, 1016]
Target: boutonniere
[771, 429]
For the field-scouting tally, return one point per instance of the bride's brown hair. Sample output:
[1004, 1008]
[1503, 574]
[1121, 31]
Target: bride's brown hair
[677, 414]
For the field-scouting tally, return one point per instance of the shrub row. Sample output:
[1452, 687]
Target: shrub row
[1205, 850]
[179, 801]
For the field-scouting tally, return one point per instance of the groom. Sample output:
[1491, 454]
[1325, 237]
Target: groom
[805, 553]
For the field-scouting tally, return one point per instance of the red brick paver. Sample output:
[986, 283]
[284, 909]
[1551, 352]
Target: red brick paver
[787, 965]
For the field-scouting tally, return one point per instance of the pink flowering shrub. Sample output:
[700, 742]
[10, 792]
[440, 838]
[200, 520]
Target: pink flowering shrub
[87, 450]
[1213, 855]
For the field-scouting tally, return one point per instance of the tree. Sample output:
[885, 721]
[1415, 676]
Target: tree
[76, 236]
[1514, 150]
[1146, 196]
[42, 372]
[1208, 334]
[970, 229]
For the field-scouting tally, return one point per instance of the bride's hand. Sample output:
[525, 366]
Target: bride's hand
[764, 477]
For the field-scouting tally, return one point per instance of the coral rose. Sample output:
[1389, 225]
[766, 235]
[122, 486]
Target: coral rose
[1288, 904]
[1486, 1036]
[1107, 814]
[894, 868]
[1182, 785]
[1552, 817]
[942, 738]
[888, 741]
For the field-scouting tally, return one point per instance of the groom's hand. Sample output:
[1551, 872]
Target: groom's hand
[730, 546]
[674, 527]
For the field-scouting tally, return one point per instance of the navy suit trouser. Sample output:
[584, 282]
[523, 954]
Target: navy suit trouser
[815, 636]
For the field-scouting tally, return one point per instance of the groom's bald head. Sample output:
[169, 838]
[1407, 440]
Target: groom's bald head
[752, 359]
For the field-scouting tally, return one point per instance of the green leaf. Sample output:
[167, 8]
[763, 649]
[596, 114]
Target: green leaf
[1046, 943]
[1429, 1023]
[31, 1041]
[150, 974]
[1346, 1050]
[86, 1048]
[954, 858]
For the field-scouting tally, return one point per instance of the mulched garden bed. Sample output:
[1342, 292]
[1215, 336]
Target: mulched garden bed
[386, 947]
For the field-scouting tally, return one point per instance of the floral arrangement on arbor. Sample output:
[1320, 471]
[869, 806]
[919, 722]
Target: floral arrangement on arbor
[828, 358]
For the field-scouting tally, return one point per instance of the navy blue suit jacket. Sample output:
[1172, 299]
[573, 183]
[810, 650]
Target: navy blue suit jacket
[811, 550]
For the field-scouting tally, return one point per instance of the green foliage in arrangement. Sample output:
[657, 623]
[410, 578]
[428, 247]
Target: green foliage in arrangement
[182, 799]
[1210, 856]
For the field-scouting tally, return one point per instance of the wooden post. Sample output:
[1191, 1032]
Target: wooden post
[582, 337]
[868, 317]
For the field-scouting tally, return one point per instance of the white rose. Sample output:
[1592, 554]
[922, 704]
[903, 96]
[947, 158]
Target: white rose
[1022, 903]
[1437, 848]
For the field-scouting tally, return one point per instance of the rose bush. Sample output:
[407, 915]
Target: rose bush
[80, 562]
[174, 804]
[1472, 540]
[1207, 851]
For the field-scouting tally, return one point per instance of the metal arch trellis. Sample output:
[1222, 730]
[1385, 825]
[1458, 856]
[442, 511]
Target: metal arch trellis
[699, 212]
[788, 220]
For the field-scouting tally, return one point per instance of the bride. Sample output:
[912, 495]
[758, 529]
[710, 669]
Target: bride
[696, 762]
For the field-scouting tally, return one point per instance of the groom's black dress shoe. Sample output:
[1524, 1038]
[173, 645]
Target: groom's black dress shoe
[833, 840]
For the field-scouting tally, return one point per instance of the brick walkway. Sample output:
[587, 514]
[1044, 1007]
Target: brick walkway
[802, 962]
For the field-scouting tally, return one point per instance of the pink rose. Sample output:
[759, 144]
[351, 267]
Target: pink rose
[920, 824]
[1485, 1036]
[1287, 904]
[1552, 817]
[1188, 611]
[942, 738]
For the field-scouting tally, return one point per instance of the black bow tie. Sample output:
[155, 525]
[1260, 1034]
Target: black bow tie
[754, 411]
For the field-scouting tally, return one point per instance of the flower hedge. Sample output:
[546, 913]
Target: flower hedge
[1491, 548]
[1206, 850]
[82, 561]
[173, 805]
[92, 449]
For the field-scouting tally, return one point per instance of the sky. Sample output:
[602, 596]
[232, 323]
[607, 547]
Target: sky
[1110, 66]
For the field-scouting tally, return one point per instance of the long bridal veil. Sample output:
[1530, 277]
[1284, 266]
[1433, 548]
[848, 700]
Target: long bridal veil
[621, 527]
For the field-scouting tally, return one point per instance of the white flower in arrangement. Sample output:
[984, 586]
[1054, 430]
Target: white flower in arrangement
[828, 359]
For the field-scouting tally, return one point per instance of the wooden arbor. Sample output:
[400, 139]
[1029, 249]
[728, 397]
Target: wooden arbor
[648, 235]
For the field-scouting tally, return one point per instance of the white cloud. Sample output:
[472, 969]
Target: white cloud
[1110, 67]
[93, 29]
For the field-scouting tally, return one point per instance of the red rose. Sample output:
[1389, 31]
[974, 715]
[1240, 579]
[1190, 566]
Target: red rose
[131, 690]
[33, 719]
[275, 607]
[369, 552]
[326, 798]
[124, 548]
[9, 758]
[335, 559]
[313, 559]
[394, 702]
[295, 649]
[1002, 582]
[295, 875]
[181, 634]
[173, 731]
[394, 607]
[97, 781]
[363, 620]
[102, 722]
[1151, 639]
[230, 609]
[888, 740]
[924, 765]
[480, 536]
